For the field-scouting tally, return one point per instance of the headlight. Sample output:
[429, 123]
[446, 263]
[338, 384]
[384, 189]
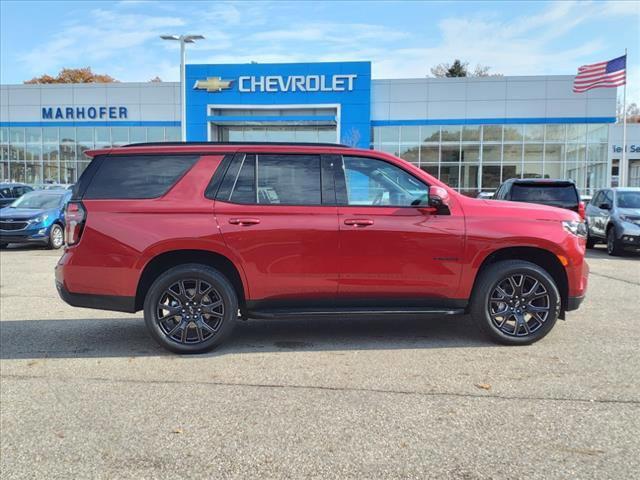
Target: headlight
[39, 219]
[579, 229]
[627, 218]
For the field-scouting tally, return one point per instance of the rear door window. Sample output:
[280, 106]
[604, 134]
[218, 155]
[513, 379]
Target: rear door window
[276, 180]
[563, 196]
[137, 177]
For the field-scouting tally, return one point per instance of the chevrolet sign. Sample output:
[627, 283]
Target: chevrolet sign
[278, 83]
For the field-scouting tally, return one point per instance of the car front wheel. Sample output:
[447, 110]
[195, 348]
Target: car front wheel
[56, 237]
[515, 302]
[613, 246]
[191, 308]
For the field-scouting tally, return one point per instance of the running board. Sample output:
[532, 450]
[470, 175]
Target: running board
[288, 313]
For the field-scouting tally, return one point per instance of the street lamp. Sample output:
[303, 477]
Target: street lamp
[183, 39]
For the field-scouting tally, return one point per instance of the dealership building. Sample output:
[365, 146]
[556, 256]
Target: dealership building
[472, 133]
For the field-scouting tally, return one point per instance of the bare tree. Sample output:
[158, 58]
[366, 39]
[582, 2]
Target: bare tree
[461, 69]
[633, 112]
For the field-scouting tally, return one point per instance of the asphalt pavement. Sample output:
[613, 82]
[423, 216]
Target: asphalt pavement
[88, 394]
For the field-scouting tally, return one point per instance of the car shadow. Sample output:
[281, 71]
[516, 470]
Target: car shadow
[600, 251]
[126, 337]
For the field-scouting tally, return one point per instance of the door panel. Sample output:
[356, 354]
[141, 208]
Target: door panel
[391, 248]
[286, 252]
[403, 254]
[278, 214]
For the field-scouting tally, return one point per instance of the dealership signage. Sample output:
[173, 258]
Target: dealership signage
[630, 148]
[281, 83]
[84, 113]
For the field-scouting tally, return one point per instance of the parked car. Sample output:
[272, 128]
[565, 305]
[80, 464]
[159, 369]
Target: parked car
[36, 217]
[613, 216]
[11, 191]
[197, 234]
[555, 193]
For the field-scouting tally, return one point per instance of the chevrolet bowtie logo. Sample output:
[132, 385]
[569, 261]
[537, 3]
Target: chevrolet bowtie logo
[212, 84]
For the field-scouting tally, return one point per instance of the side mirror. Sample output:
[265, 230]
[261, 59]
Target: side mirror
[604, 206]
[438, 197]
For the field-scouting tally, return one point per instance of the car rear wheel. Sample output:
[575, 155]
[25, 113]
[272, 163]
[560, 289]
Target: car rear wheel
[515, 302]
[56, 237]
[191, 309]
[613, 246]
[590, 241]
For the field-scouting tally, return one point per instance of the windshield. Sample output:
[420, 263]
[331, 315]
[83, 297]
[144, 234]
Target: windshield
[564, 196]
[38, 200]
[628, 199]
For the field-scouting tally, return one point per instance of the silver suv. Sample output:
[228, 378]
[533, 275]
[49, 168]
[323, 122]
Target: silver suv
[613, 216]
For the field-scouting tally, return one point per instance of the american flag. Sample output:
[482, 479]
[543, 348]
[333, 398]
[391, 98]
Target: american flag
[601, 75]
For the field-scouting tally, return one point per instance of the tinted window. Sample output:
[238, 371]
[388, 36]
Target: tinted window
[289, 179]
[375, 182]
[137, 176]
[564, 196]
[608, 197]
[244, 190]
[597, 198]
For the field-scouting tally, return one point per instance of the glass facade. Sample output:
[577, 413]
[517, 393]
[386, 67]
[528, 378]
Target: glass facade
[475, 158]
[37, 155]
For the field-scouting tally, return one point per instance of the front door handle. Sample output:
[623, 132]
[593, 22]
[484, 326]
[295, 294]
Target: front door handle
[358, 222]
[244, 222]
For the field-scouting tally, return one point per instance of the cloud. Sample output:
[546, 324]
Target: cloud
[106, 34]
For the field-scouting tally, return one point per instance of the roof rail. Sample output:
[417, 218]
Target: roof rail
[304, 144]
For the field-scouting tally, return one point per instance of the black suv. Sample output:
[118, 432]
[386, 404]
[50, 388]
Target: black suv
[555, 193]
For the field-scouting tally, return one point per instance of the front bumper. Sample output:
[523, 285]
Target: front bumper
[32, 235]
[630, 241]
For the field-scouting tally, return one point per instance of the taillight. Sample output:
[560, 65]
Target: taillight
[581, 210]
[75, 216]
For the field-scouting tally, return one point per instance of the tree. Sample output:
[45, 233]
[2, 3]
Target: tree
[155, 79]
[74, 75]
[461, 69]
[633, 112]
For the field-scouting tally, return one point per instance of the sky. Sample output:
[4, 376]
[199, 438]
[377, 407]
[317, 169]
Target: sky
[401, 39]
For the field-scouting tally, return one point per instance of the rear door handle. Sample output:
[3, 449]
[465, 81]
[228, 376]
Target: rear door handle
[244, 222]
[358, 222]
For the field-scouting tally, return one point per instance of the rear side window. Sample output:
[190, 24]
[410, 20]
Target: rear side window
[276, 180]
[137, 176]
[564, 196]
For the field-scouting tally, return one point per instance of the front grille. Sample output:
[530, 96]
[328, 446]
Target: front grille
[12, 226]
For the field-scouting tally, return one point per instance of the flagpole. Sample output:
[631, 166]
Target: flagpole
[623, 169]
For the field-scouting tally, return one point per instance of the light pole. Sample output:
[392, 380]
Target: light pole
[183, 39]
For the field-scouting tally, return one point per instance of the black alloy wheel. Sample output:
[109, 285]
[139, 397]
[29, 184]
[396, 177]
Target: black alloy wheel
[519, 305]
[515, 302]
[191, 309]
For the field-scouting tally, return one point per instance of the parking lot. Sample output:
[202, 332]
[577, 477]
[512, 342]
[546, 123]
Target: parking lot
[88, 394]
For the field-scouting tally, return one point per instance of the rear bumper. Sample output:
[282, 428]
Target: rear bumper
[573, 303]
[100, 302]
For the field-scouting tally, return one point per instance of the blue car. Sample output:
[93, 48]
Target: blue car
[36, 217]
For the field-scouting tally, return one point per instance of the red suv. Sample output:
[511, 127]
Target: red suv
[199, 235]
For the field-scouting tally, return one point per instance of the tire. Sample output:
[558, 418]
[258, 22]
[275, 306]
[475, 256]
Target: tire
[590, 241]
[3, 245]
[56, 237]
[613, 246]
[486, 300]
[189, 329]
